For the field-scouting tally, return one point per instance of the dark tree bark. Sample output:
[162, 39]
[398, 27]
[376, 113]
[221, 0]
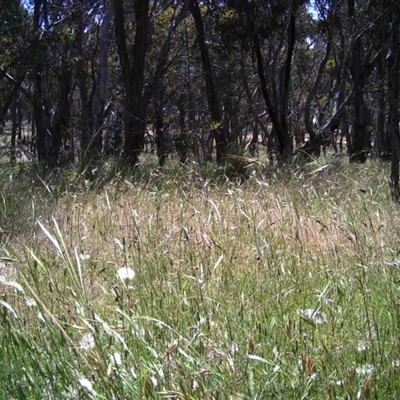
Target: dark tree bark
[85, 123]
[133, 68]
[382, 142]
[362, 138]
[9, 97]
[220, 133]
[133, 71]
[361, 68]
[393, 97]
[40, 107]
[52, 87]
[156, 86]
[251, 103]
[14, 128]
[277, 98]
[62, 118]
[181, 142]
[316, 138]
[100, 97]
[284, 86]
[283, 137]
[160, 128]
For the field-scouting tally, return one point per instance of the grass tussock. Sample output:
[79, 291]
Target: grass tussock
[184, 284]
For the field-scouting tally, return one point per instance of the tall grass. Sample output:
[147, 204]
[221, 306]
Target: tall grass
[184, 284]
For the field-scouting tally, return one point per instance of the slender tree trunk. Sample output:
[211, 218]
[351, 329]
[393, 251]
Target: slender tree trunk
[380, 135]
[277, 106]
[100, 97]
[220, 134]
[8, 98]
[135, 127]
[253, 145]
[361, 140]
[85, 123]
[344, 127]
[283, 136]
[62, 117]
[285, 88]
[393, 96]
[42, 119]
[258, 123]
[315, 137]
[135, 108]
[14, 128]
[161, 139]
[160, 129]
[133, 69]
[181, 142]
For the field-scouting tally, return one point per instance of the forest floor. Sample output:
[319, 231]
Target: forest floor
[189, 284]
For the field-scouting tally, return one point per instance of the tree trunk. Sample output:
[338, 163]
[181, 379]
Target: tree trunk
[85, 125]
[42, 119]
[100, 97]
[181, 142]
[161, 139]
[135, 127]
[361, 140]
[315, 137]
[382, 147]
[62, 117]
[133, 69]
[393, 97]
[284, 138]
[212, 94]
[250, 101]
[14, 128]
[277, 105]
[9, 97]
[160, 129]
[285, 89]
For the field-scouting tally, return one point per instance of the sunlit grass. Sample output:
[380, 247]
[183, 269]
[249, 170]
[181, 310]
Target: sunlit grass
[186, 284]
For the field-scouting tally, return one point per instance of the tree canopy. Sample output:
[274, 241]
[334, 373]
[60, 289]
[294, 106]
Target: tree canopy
[83, 80]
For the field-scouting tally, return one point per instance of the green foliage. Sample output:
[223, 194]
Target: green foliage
[215, 125]
[12, 15]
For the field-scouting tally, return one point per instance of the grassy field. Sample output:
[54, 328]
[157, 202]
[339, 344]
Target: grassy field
[190, 285]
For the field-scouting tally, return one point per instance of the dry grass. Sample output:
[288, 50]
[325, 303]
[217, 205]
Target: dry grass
[265, 289]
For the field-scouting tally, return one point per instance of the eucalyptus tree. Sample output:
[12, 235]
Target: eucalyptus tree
[393, 62]
[14, 42]
[214, 104]
[140, 76]
[382, 139]
[366, 20]
[326, 20]
[235, 79]
[384, 83]
[327, 97]
[100, 106]
[209, 84]
[90, 26]
[63, 52]
[270, 27]
[186, 96]
[45, 146]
